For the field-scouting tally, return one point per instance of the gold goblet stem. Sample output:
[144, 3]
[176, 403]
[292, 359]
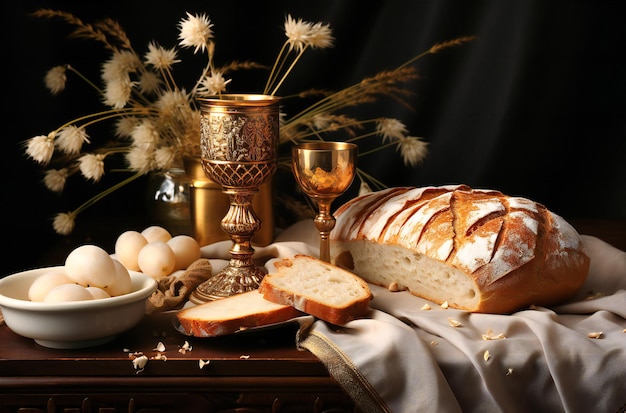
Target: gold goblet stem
[324, 222]
[241, 223]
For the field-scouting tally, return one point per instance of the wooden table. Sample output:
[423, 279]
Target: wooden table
[249, 372]
[260, 371]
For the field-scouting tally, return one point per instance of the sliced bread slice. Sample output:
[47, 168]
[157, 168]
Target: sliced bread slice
[232, 314]
[317, 288]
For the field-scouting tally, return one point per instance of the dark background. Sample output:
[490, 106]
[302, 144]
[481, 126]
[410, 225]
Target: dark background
[534, 107]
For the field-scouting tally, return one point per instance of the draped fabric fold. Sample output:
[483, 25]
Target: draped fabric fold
[405, 358]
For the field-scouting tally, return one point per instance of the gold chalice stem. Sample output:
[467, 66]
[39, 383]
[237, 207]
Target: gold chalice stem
[324, 222]
[241, 223]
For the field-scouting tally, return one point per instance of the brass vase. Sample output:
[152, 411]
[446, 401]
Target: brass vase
[208, 204]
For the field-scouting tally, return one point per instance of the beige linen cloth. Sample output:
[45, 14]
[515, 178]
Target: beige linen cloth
[402, 358]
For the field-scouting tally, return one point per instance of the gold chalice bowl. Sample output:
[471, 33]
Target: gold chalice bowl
[239, 142]
[324, 171]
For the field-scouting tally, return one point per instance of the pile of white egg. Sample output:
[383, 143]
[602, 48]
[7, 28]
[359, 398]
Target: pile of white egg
[89, 273]
[155, 252]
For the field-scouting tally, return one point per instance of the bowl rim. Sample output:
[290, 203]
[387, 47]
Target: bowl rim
[146, 286]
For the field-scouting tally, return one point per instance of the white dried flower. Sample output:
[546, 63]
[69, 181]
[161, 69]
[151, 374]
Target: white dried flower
[164, 157]
[139, 159]
[70, 139]
[145, 136]
[391, 129]
[413, 150]
[149, 83]
[55, 79]
[55, 179]
[320, 36]
[125, 125]
[117, 92]
[120, 65]
[63, 223]
[213, 84]
[41, 148]
[297, 32]
[92, 166]
[161, 58]
[195, 31]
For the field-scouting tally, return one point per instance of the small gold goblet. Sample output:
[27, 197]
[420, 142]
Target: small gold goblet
[324, 171]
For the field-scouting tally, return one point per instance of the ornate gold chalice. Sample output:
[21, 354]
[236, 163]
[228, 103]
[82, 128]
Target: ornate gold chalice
[324, 171]
[239, 143]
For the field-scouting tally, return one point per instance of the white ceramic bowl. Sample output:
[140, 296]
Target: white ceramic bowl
[72, 324]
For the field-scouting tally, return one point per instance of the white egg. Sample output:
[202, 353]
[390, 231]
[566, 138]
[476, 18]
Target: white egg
[186, 250]
[156, 233]
[97, 293]
[90, 266]
[127, 247]
[157, 259]
[67, 292]
[122, 283]
[46, 282]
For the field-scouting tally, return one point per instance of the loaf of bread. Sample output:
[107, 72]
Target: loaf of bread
[476, 250]
[317, 288]
[232, 314]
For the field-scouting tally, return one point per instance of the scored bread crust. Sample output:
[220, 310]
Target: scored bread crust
[234, 313]
[477, 250]
[317, 288]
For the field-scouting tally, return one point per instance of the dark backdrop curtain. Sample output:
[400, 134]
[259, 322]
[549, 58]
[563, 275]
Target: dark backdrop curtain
[533, 107]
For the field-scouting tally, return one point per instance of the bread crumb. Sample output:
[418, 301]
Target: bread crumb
[595, 334]
[159, 356]
[160, 347]
[139, 363]
[592, 296]
[509, 371]
[425, 307]
[433, 343]
[489, 335]
[244, 356]
[203, 363]
[393, 287]
[444, 305]
[454, 323]
[486, 355]
[185, 348]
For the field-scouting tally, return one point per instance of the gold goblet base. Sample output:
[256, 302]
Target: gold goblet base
[230, 281]
[241, 274]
